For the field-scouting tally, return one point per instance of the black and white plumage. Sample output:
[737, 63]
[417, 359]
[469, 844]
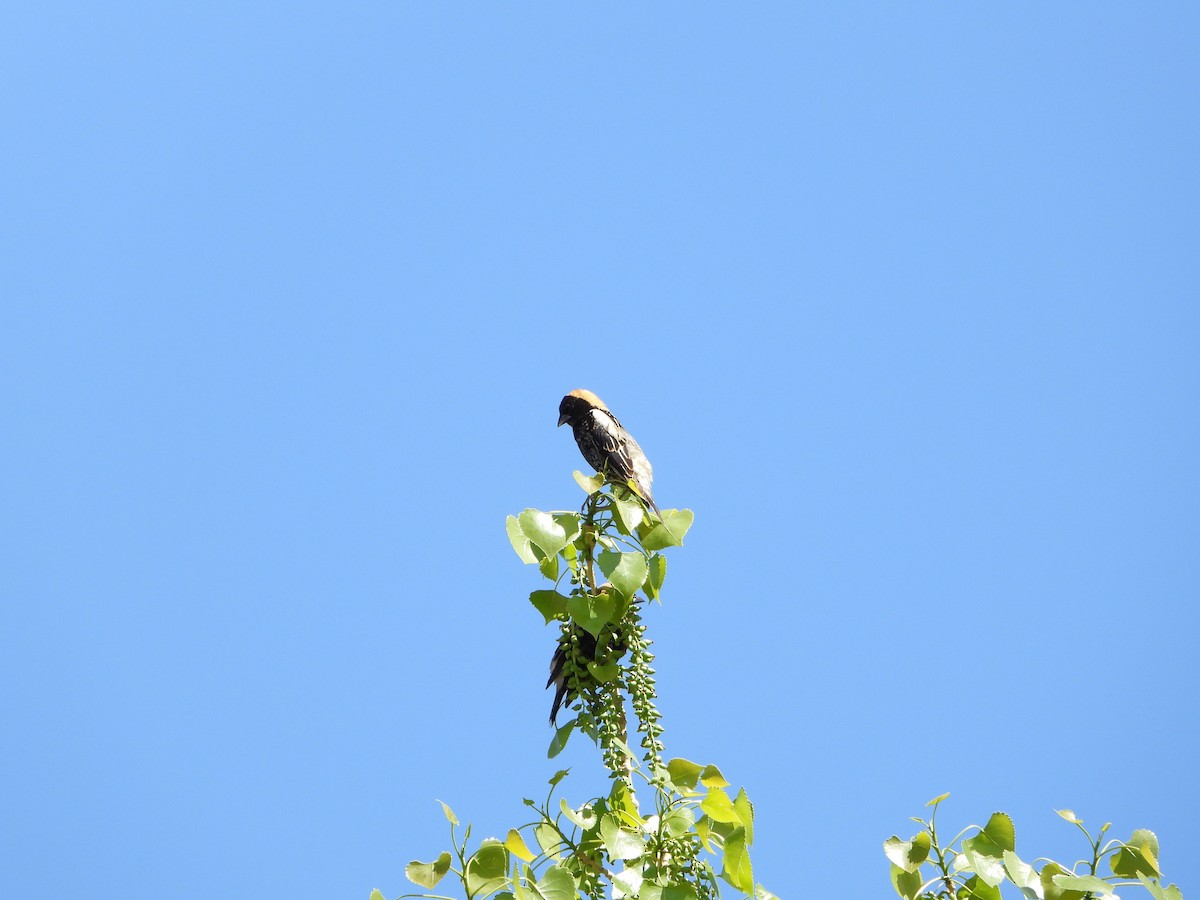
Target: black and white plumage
[605, 444]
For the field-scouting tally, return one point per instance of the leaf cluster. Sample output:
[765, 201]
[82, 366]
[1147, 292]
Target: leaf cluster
[980, 860]
[662, 828]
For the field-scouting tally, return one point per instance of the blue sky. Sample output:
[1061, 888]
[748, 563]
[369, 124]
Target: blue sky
[901, 299]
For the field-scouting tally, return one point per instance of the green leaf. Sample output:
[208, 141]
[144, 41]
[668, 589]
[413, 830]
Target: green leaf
[1023, 876]
[551, 604]
[585, 818]
[745, 811]
[704, 831]
[656, 575]
[376, 894]
[679, 821]
[669, 531]
[651, 891]
[549, 567]
[684, 773]
[628, 882]
[1158, 891]
[761, 893]
[718, 807]
[1138, 856]
[1069, 815]
[908, 855]
[737, 869]
[977, 889]
[560, 739]
[548, 839]
[556, 883]
[449, 814]
[1050, 887]
[626, 571]
[571, 523]
[515, 844]
[487, 869]
[543, 531]
[938, 799]
[559, 776]
[907, 884]
[618, 842]
[1000, 831]
[519, 542]
[985, 858]
[592, 612]
[711, 777]
[603, 673]
[427, 875]
[629, 514]
[1083, 883]
[589, 483]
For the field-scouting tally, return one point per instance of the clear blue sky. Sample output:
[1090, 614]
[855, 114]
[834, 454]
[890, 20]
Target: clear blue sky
[902, 299]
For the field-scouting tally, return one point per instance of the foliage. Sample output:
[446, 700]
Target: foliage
[662, 826]
[980, 860]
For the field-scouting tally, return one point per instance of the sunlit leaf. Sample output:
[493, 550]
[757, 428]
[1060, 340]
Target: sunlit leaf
[584, 818]
[619, 842]
[603, 672]
[556, 883]
[1051, 889]
[427, 875]
[543, 531]
[745, 811]
[977, 889]
[589, 483]
[736, 860]
[718, 807]
[1139, 856]
[1023, 876]
[907, 884]
[561, 735]
[487, 868]
[1000, 831]
[548, 839]
[679, 821]
[908, 855]
[1171, 892]
[626, 571]
[668, 531]
[985, 858]
[551, 604]
[629, 515]
[519, 542]
[515, 844]
[592, 612]
[1083, 883]
[449, 813]
[684, 772]
[656, 575]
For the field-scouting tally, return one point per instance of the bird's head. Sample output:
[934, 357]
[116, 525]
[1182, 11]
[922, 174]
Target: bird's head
[576, 404]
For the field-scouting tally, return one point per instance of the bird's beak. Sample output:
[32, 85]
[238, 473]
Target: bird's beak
[562, 420]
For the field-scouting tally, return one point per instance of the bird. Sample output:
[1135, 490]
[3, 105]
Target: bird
[605, 444]
[563, 691]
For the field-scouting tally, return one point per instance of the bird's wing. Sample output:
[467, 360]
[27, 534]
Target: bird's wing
[625, 458]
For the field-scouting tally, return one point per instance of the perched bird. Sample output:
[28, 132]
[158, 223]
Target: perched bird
[605, 444]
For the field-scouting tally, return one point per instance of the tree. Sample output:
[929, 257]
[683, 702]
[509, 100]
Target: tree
[666, 824]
